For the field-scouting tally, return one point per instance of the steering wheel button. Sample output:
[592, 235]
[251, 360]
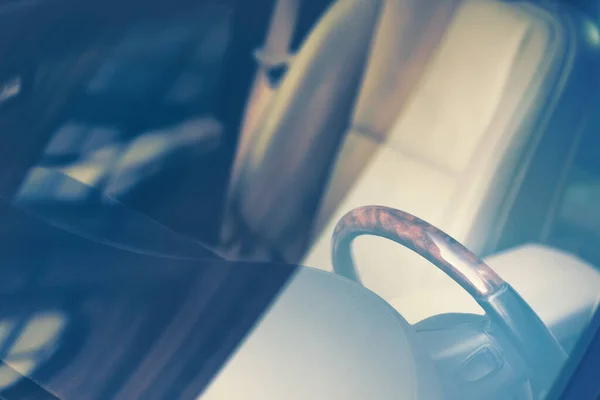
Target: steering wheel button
[480, 365]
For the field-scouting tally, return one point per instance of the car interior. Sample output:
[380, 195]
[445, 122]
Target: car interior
[469, 115]
[254, 127]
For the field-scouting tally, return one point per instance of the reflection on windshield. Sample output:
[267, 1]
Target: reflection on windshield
[116, 168]
[26, 342]
[88, 212]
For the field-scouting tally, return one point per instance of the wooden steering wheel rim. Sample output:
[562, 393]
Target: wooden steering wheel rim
[475, 276]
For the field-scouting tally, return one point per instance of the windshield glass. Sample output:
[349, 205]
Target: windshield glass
[174, 158]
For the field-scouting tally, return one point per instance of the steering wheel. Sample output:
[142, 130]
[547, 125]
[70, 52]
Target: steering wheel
[526, 332]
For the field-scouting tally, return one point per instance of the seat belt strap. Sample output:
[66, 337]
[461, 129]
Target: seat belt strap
[274, 53]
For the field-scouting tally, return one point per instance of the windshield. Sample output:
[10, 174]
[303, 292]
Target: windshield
[172, 175]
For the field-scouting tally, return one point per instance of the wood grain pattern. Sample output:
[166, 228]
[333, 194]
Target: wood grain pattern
[423, 238]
